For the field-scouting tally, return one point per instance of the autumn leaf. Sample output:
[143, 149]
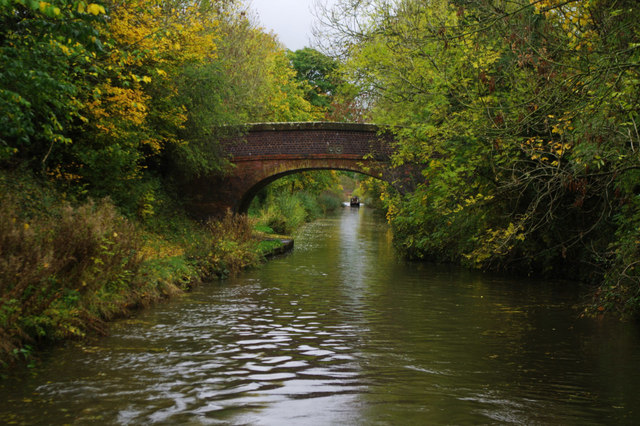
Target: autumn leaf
[95, 9]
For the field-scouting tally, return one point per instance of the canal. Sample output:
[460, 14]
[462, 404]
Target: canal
[343, 331]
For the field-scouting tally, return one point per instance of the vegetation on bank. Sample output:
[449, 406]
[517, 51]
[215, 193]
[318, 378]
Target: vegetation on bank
[294, 200]
[524, 117]
[67, 267]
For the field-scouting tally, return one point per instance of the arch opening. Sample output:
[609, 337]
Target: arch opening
[242, 207]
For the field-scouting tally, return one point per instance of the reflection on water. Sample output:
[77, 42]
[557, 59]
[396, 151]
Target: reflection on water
[342, 331]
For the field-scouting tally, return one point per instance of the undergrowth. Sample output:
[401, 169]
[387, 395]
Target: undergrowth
[284, 212]
[68, 267]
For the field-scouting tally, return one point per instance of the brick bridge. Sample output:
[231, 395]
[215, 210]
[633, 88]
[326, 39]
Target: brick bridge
[268, 151]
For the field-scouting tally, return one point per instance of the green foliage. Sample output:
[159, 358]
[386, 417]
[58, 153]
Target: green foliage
[525, 130]
[317, 70]
[120, 101]
[262, 82]
[295, 199]
[621, 291]
[263, 228]
[329, 201]
[46, 51]
[326, 87]
[375, 191]
[284, 213]
[203, 91]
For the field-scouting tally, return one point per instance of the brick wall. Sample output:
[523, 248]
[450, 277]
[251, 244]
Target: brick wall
[304, 140]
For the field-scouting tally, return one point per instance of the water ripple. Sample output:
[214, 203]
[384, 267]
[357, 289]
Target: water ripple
[342, 332]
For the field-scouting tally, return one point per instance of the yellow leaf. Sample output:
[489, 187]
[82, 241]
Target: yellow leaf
[94, 9]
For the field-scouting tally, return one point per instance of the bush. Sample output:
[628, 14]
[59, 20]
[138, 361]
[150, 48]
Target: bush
[228, 247]
[65, 270]
[60, 275]
[329, 201]
[310, 204]
[285, 212]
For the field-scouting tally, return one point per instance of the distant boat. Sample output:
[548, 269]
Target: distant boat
[355, 202]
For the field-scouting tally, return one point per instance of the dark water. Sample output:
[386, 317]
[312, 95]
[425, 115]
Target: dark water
[341, 331]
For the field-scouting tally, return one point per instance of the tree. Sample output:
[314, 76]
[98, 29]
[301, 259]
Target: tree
[523, 115]
[106, 97]
[47, 51]
[315, 69]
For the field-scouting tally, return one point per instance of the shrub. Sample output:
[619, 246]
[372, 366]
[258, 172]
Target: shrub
[61, 274]
[228, 246]
[329, 201]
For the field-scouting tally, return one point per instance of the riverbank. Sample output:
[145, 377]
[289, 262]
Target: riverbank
[67, 267]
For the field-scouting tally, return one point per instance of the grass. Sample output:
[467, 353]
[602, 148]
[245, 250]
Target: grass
[269, 246]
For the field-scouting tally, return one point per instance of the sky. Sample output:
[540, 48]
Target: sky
[291, 20]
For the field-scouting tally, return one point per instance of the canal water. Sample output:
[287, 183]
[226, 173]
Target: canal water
[342, 331]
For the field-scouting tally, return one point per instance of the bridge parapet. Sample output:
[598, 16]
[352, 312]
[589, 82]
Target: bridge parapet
[309, 140]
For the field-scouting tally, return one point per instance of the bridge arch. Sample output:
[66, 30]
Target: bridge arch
[245, 200]
[266, 152]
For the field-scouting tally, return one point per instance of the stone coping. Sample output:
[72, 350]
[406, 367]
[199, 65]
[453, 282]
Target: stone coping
[312, 125]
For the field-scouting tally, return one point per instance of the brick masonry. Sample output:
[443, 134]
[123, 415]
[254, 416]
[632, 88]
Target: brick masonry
[303, 140]
[267, 151]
